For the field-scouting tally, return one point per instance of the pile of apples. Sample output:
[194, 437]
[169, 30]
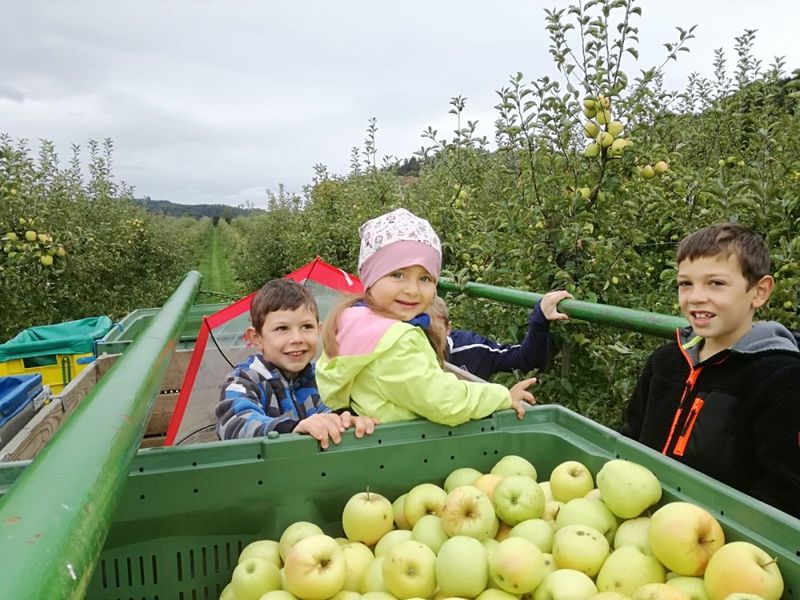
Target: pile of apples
[504, 536]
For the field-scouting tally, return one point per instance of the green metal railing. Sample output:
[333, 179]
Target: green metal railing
[623, 318]
[55, 518]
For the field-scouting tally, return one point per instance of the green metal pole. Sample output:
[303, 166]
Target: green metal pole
[613, 316]
[55, 518]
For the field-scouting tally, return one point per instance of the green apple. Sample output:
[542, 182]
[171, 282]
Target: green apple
[512, 464]
[743, 596]
[30, 236]
[268, 549]
[548, 493]
[743, 568]
[254, 577]
[565, 584]
[315, 568]
[486, 483]
[372, 581]
[367, 517]
[609, 596]
[423, 499]
[391, 539]
[377, 596]
[495, 594]
[551, 510]
[628, 488]
[518, 498]
[594, 494]
[430, 531]
[605, 139]
[627, 569]
[343, 595]
[468, 511]
[569, 480]
[661, 167]
[294, 533]
[409, 570]
[459, 477]
[634, 532]
[615, 128]
[357, 557]
[462, 567]
[592, 150]
[581, 511]
[693, 588]
[399, 512]
[591, 129]
[281, 595]
[581, 548]
[538, 531]
[684, 536]
[658, 591]
[227, 593]
[648, 172]
[516, 565]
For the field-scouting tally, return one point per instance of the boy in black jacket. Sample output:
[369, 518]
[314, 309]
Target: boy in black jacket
[725, 399]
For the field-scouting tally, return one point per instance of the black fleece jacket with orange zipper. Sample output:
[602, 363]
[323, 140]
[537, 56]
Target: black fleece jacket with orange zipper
[734, 416]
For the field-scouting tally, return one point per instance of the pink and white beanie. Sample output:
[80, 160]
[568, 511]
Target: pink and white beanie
[394, 241]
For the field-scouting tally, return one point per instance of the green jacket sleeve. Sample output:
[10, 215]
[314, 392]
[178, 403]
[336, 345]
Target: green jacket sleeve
[409, 375]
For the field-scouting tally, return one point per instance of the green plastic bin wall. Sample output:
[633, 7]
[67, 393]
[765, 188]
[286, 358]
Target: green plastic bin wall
[125, 332]
[187, 512]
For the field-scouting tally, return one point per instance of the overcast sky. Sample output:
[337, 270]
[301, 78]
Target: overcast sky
[214, 102]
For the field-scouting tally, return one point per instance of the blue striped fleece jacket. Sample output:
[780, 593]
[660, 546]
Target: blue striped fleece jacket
[257, 398]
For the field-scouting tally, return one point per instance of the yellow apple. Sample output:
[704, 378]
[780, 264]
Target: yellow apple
[391, 539]
[357, 557]
[399, 512]
[516, 566]
[268, 549]
[684, 536]
[518, 498]
[315, 568]
[254, 577]
[565, 584]
[459, 477]
[367, 517]
[744, 568]
[628, 488]
[538, 531]
[468, 511]
[512, 464]
[409, 570]
[430, 531]
[627, 569]
[423, 499]
[294, 533]
[693, 588]
[462, 567]
[570, 479]
[581, 548]
[658, 591]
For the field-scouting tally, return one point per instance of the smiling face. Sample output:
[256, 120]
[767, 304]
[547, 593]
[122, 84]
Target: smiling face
[713, 295]
[288, 339]
[404, 293]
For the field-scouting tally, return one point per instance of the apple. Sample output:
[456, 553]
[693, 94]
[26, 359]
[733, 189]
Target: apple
[628, 488]
[658, 591]
[367, 517]
[648, 172]
[373, 577]
[548, 494]
[581, 548]
[590, 130]
[634, 532]
[693, 588]
[565, 584]
[278, 595]
[661, 167]
[592, 150]
[538, 531]
[294, 533]
[511, 464]
[594, 494]
[399, 512]
[495, 594]
[742, 567]
[254, 577]
[518, 498]
[742, 596]
[627, 569]
[516, 565]
[315, 568]
[462, 567]
[459, 477]
[609, 596]
[503, 531]
[550, 565]
[409, 570]
[551, 510]
[430, 531]
[227, 593]
[343, 595]
[377, 596]
[615, 128]
[569, 480]
[490, 544]
[684, 536]
[357, 557]
[486, 483]
[580, 511]
[268, 549]
[423, 499]
[391, 539]
[468, 511]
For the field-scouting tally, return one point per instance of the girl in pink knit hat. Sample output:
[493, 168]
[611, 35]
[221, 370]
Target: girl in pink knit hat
[382, 359]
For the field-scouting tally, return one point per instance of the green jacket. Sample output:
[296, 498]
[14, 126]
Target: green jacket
[401, 380]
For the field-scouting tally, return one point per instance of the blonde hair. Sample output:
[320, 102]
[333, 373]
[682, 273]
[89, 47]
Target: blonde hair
[436, 332]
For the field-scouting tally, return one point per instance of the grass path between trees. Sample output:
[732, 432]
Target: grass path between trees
[217, 272]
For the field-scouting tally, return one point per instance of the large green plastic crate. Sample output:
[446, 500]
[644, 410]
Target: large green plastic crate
[124, 333]
[187, 512]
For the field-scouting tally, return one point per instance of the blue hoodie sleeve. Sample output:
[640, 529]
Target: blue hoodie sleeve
[484, 357]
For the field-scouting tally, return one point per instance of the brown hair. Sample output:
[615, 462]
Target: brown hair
[280, 294]
[435, 333]
[725, 239]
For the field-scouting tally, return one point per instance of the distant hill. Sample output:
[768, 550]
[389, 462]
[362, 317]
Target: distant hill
[213, 211]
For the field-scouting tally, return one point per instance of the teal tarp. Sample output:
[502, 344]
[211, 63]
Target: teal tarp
[72, 337]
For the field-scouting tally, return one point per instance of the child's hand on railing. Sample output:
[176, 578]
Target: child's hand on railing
[549, 304]
[521, 398]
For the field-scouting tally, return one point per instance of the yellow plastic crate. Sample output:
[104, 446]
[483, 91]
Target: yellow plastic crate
[57, 370]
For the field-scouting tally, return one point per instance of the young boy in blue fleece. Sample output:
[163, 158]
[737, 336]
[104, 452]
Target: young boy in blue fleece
[275, 389]
[484, 357]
